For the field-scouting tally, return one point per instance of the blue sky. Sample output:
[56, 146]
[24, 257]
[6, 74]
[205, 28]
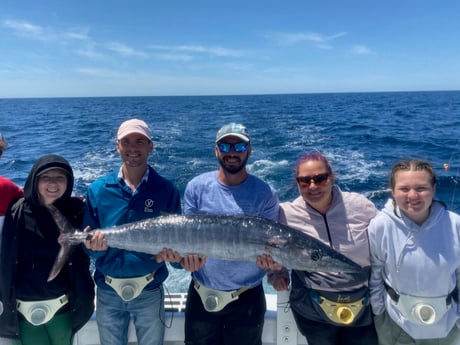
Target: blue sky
[60, 48]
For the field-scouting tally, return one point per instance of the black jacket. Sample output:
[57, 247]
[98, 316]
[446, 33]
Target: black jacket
[29, 248]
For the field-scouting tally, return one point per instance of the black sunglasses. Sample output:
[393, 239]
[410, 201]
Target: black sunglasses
[238, 147]
[319, 180]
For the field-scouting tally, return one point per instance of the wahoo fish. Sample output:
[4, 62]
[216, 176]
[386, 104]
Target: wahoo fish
[229, 237]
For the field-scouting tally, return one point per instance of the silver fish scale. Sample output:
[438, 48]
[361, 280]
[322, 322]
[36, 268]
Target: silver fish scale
[227, 237]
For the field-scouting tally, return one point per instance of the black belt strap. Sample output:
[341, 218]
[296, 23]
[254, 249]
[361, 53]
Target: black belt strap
[395, 296]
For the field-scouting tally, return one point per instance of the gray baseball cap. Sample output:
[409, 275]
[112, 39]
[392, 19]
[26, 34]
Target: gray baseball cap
[233, 130]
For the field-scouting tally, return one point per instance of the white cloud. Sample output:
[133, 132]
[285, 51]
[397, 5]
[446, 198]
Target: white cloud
[20, 71]
[242, 67]
[124, 50]
[174, 57]
[215, 51]
[99, 72]
[26, 29]
[320, 40]
[361, 50]
[32, 31]
[76, 35]
[90, 53]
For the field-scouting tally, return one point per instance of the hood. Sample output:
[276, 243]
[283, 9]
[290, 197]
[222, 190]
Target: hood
[437, 210]
[392, 211]
[45, 163]
[409, 229]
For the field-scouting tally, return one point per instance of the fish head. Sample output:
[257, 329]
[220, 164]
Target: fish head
[306, 253]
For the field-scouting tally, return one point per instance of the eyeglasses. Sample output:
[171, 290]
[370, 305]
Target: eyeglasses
[238, 147]
[319, 180]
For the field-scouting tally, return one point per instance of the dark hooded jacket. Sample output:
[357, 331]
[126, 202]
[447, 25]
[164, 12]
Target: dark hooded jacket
[29, 249]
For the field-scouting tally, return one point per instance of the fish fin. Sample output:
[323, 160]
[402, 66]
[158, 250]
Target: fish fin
[61, 221]
[61, 260]
[66, 249]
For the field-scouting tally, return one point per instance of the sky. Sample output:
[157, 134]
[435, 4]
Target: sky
[91, 48]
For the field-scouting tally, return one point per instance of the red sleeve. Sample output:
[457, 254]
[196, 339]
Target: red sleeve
[8, 193]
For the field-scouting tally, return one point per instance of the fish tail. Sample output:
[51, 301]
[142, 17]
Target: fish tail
[66, 247]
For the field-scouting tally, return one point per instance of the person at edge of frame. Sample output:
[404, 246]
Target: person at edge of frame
[415, 251]
[40, 311]
[9, 191]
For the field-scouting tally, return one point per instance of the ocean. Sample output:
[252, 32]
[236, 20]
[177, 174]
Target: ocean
[362, 134]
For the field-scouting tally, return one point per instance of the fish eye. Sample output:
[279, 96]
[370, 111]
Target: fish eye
[315, 255]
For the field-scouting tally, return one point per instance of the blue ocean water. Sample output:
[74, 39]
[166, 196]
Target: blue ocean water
[362, 134]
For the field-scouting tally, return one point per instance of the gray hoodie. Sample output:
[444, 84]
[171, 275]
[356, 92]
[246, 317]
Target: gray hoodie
[421, 261]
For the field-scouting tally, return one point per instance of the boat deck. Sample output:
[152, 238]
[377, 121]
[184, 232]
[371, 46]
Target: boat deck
[279, 327]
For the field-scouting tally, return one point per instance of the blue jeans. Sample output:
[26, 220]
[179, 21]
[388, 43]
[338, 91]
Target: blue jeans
[147, 311]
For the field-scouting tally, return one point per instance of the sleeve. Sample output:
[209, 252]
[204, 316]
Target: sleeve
[282, 216]
[8, 261]
[90, 216]
[273, 275]
[175, 202]
[177, 209]
[10, 192]
[457, 275]
[271, 210]
[376, 282]
[190, 204]
[457, 292]
[18, 192]
[91, 219]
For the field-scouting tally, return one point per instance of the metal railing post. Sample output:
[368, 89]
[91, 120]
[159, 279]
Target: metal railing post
[286, 329]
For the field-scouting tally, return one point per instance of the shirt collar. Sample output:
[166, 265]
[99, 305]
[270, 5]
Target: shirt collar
[144, 178]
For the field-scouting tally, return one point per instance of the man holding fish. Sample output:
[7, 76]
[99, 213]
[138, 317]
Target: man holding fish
[129, 284]
[227, 237]
[226, 301]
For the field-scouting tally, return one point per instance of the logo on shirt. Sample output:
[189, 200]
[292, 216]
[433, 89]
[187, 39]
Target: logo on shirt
[148, 205]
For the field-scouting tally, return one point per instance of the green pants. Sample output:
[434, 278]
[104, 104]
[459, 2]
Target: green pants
[57, 331]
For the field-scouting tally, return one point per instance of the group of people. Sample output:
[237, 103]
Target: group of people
[406, 293]
[408, 290]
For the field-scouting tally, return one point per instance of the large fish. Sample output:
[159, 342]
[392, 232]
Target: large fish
[229, 237]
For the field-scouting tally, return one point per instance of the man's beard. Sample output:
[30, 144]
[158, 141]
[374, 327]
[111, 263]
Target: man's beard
[233, 169]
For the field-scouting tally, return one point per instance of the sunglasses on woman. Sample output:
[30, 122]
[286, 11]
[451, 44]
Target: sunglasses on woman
[319, 180]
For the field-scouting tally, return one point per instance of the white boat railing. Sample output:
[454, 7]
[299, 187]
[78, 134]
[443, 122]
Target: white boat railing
[279, 326]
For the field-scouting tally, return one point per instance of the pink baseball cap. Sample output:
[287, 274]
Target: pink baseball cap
[134, 126]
